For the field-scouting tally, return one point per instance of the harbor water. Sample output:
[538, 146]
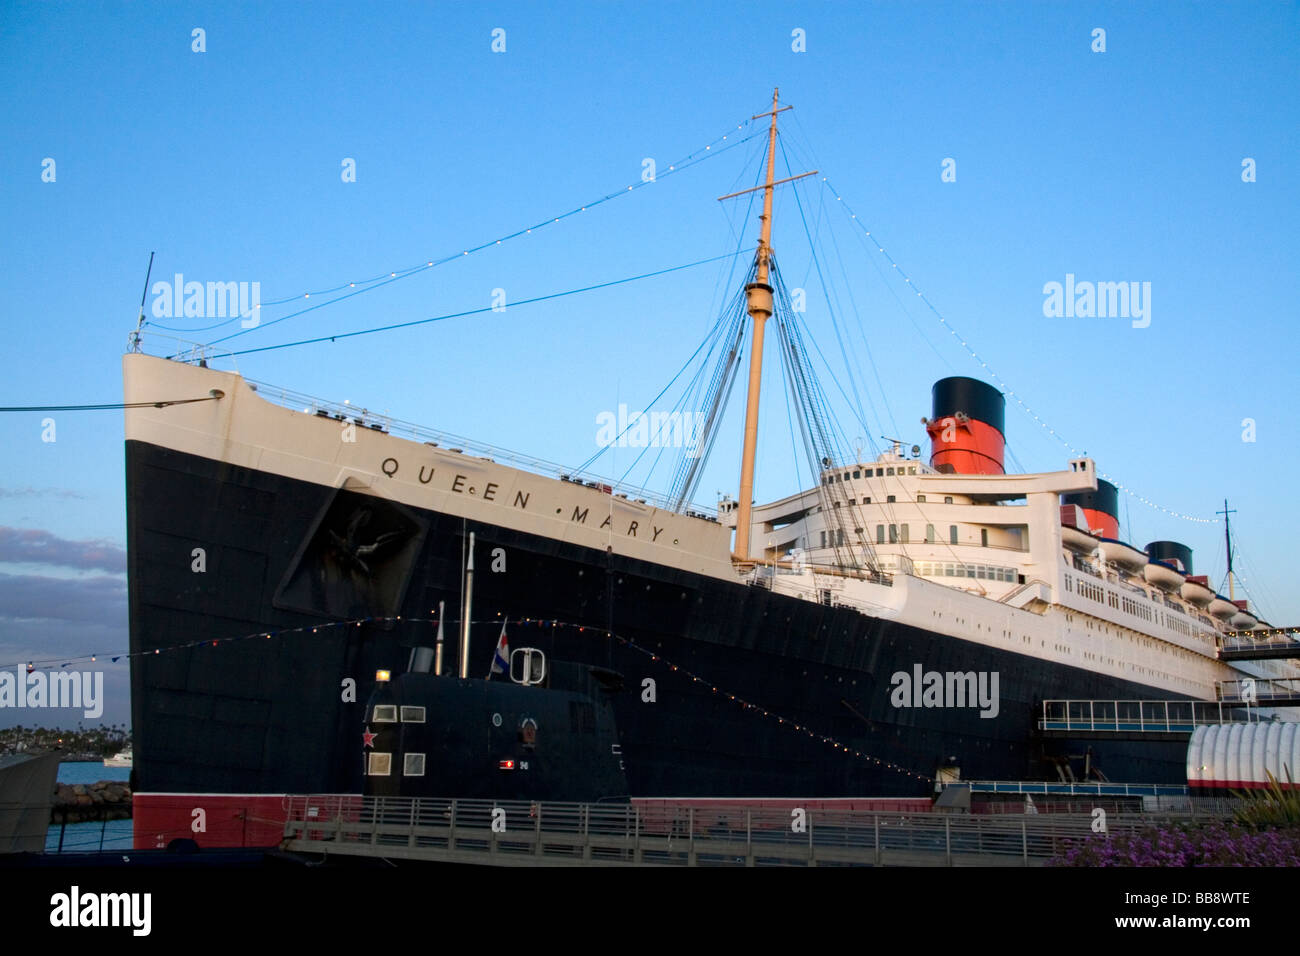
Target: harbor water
[94, 835]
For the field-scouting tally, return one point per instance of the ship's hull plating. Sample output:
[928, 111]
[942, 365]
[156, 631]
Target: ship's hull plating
[274, 715]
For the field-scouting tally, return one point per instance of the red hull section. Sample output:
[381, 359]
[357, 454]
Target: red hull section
[257, 820]
[227, 819]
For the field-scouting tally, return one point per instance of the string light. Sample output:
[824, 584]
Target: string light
[1007, 388]
[393, 275]
[538, 622]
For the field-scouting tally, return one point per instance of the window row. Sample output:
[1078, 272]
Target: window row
[956, 569]
[866, 472]
[387, 714]
[381, 765]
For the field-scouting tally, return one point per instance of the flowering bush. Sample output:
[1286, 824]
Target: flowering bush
[1212, 844]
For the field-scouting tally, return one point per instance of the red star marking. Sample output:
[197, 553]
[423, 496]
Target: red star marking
[367, 738]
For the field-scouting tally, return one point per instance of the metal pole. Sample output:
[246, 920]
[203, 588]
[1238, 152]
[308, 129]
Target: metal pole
[812, 860]
[437, 666]
[466, 610]
[690, 836]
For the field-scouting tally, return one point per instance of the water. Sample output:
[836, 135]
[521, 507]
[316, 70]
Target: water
[86, 837]
[91, 771]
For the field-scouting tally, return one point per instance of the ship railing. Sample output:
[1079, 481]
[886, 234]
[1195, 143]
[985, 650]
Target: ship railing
[1260, 691]
[714, 832]
[177, 349]
[1080, 565]
[1140, 716]
[193, 353]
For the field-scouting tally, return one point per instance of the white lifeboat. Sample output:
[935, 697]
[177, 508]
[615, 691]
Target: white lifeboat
[1222, 608]
[1077, 540]
[1243, 620]
[1125, 555]
[1196, 593]
[1165, 576]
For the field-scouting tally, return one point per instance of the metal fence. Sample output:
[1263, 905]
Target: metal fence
[520, 833]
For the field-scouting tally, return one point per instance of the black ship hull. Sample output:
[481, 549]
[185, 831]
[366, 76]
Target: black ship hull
[267, 715]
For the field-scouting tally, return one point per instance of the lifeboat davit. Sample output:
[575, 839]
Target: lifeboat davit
[1197, 591]
[1165, 576]
[1123, 554]
[1222, 608]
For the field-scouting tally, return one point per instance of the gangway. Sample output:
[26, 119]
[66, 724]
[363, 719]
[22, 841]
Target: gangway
[1071, 717]
[1274, 643]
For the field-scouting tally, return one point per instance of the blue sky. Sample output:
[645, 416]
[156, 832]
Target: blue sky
[1117, 166]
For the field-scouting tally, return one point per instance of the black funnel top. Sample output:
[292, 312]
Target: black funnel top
[979, 400]
[1171, 552]
[1105, 499]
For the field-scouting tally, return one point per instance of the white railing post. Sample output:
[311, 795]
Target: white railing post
[690, 838]
[812, 856]
[749, 836]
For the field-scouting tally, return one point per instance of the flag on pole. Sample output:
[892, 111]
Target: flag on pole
[501, 659]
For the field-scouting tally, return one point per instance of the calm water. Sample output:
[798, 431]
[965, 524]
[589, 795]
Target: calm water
[91, 772]
[86, 837]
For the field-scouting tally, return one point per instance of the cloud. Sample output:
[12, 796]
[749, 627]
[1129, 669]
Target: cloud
[52, 620]
[40, 493]
[36, 546]
[95, 600]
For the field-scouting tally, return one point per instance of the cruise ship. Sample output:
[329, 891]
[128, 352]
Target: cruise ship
[326, 601]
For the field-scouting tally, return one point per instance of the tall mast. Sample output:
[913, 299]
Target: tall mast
[1227, 540]
[759, 296]
[759, 305]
